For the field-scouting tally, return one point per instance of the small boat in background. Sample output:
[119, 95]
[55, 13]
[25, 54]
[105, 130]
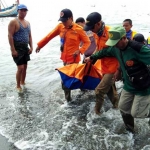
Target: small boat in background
[10, 11]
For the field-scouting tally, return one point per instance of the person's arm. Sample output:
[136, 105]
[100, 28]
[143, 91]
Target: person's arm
[30, 42]
[48, 37]
[106, 52]
[11, 31]
[85, 40]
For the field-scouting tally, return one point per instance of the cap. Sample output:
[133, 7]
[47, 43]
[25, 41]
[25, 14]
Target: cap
[22, 6]
[139, 37]
[65, 14]
[80, 19]
[115, 34]
[91, 20]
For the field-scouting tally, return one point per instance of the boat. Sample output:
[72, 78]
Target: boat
[10, 11]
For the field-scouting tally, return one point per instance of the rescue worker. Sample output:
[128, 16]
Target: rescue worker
[71, 34]
[108, 65]
[139, 38]
[127, 24]
[132, 56]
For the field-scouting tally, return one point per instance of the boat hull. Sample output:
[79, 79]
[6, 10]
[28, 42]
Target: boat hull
[11, 12]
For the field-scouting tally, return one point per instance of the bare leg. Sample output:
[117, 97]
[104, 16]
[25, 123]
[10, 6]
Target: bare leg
[18, 75]
[23, 75]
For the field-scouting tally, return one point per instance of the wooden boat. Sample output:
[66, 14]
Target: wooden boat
[10, 11]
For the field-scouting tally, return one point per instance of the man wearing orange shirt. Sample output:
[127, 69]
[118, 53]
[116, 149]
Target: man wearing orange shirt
[108, 65]
[71, 34]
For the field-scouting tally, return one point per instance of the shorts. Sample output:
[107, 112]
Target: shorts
[22, 61]
[23, 55]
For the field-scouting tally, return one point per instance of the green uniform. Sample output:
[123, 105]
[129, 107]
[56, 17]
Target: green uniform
[133, 51]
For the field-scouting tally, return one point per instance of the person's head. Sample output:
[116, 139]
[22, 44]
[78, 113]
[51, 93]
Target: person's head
[139, 38]
[80, 21]
[93, 22]
[66, 17]
[22, 10]
[117, 37]
[127, 24]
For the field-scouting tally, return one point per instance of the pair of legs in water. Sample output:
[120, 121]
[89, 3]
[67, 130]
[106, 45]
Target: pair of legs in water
[133, 106]
[21, 73]
[106, 86]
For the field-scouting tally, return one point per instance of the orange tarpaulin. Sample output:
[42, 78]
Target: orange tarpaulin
[84, 76]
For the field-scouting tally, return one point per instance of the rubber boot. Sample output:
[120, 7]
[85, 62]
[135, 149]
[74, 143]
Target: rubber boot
[128, 121]
[67, 93]
[98, 105]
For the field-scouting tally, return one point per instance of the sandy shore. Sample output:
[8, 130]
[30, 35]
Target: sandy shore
[5, 145]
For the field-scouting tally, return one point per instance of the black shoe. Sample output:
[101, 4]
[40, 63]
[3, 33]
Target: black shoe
[128, 121]
[129, 128]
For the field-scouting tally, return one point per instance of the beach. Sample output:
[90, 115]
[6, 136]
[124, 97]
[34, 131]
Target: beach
[40, 118]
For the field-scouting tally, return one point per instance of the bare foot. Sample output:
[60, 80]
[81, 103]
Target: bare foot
[19, 89]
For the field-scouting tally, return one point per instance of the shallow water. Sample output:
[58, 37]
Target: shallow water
[39, 118]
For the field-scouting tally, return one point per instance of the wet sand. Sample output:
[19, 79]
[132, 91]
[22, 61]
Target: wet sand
[5, 145]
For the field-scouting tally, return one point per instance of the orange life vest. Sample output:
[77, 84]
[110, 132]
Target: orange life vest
[107, 64]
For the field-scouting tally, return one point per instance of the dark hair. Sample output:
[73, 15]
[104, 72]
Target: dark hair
[139, 37]
[129, 20]
[80, 19]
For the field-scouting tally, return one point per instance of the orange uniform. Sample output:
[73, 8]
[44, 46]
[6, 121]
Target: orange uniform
[108, 64]
[72, 38]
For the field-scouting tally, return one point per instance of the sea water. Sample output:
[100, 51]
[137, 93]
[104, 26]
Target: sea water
[39, 118]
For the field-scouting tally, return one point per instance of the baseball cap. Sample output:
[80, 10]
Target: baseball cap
[22, 6]
[80, 19]
[115, 34]
[91, 20]
[65, 14]
[139, 37]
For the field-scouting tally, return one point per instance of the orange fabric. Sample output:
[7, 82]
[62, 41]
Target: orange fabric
[73, 37]
[79, 70]
[107, 64]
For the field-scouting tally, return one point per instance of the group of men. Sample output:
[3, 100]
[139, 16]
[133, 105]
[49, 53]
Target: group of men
[114, 48]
